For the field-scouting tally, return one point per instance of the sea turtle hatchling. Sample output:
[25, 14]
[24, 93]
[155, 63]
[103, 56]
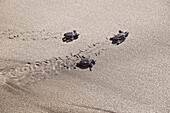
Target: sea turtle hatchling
[86, 63]
[70, 36]
[119, 38]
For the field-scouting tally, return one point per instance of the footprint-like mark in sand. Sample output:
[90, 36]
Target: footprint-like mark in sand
[29, 35]
[35, 71]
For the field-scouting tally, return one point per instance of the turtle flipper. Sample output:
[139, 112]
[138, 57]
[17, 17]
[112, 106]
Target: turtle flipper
[90, 67]
[127, 33]
[120, 31]
[111, 38]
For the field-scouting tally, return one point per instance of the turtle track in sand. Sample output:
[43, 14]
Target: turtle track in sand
[29, 35]
[31, 72]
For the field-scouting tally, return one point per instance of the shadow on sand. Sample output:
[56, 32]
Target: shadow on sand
[69, 39]
[116, 41]
[83, 67]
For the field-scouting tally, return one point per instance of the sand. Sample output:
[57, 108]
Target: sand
[132, 77]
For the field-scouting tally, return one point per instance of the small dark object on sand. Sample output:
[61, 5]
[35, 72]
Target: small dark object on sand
[86, 63]
[119, 38]
[70, 36]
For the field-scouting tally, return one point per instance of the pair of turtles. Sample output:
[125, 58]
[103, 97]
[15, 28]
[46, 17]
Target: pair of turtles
[85, 62]
[117, 39]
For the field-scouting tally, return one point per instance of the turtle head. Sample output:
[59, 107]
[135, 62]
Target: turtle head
[120, 31]
[74, 31]
[126, 34]
[93, 61]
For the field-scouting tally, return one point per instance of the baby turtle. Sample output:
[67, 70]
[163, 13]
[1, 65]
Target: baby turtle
[86, 63]
[119, 38]
[70, 36]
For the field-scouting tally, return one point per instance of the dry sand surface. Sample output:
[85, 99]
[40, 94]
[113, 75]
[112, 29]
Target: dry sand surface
[133, 77]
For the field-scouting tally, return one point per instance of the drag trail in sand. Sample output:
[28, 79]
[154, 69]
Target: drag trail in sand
[132, 77]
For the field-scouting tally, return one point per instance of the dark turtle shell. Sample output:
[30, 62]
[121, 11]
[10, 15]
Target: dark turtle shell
[71, 34]
[121, 35]
[85, 62]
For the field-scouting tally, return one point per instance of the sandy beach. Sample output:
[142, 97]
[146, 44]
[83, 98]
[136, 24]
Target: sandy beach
[132, 77]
